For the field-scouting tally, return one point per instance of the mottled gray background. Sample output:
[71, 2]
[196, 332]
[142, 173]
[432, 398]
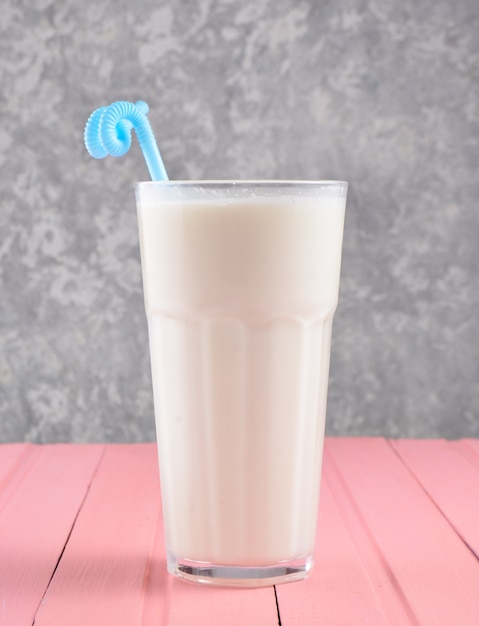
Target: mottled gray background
[384, 94]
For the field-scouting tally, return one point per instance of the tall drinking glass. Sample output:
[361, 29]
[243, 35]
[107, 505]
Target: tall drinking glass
[241, 283]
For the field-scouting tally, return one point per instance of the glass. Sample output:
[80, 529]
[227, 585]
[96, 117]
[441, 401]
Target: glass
[241, 283]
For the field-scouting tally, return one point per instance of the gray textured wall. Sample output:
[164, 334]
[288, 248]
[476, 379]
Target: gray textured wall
[382, 93]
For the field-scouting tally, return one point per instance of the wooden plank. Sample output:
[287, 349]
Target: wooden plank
[342, 588]
[451, 478]
[10, 455]
[49, 485]
[436, 574]
[101, 576]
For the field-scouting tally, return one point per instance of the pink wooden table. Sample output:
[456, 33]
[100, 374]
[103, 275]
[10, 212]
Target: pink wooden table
[81, 541]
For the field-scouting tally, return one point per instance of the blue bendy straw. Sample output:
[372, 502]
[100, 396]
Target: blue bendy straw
[108, 132]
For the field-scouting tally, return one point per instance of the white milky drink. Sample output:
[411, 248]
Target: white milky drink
[241, 284]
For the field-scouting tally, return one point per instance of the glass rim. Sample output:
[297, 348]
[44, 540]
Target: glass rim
[243, 183]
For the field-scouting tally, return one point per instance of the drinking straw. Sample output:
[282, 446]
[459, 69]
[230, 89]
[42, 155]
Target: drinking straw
[108, 132]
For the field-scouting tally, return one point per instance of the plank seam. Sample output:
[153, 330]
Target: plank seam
[467, 452]
[62, 551]
[277, 605]
[148, 578]
[430, 497]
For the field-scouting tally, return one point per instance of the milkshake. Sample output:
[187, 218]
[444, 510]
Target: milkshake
[241, 284]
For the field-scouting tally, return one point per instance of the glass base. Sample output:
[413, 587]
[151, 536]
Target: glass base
[240, 576]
